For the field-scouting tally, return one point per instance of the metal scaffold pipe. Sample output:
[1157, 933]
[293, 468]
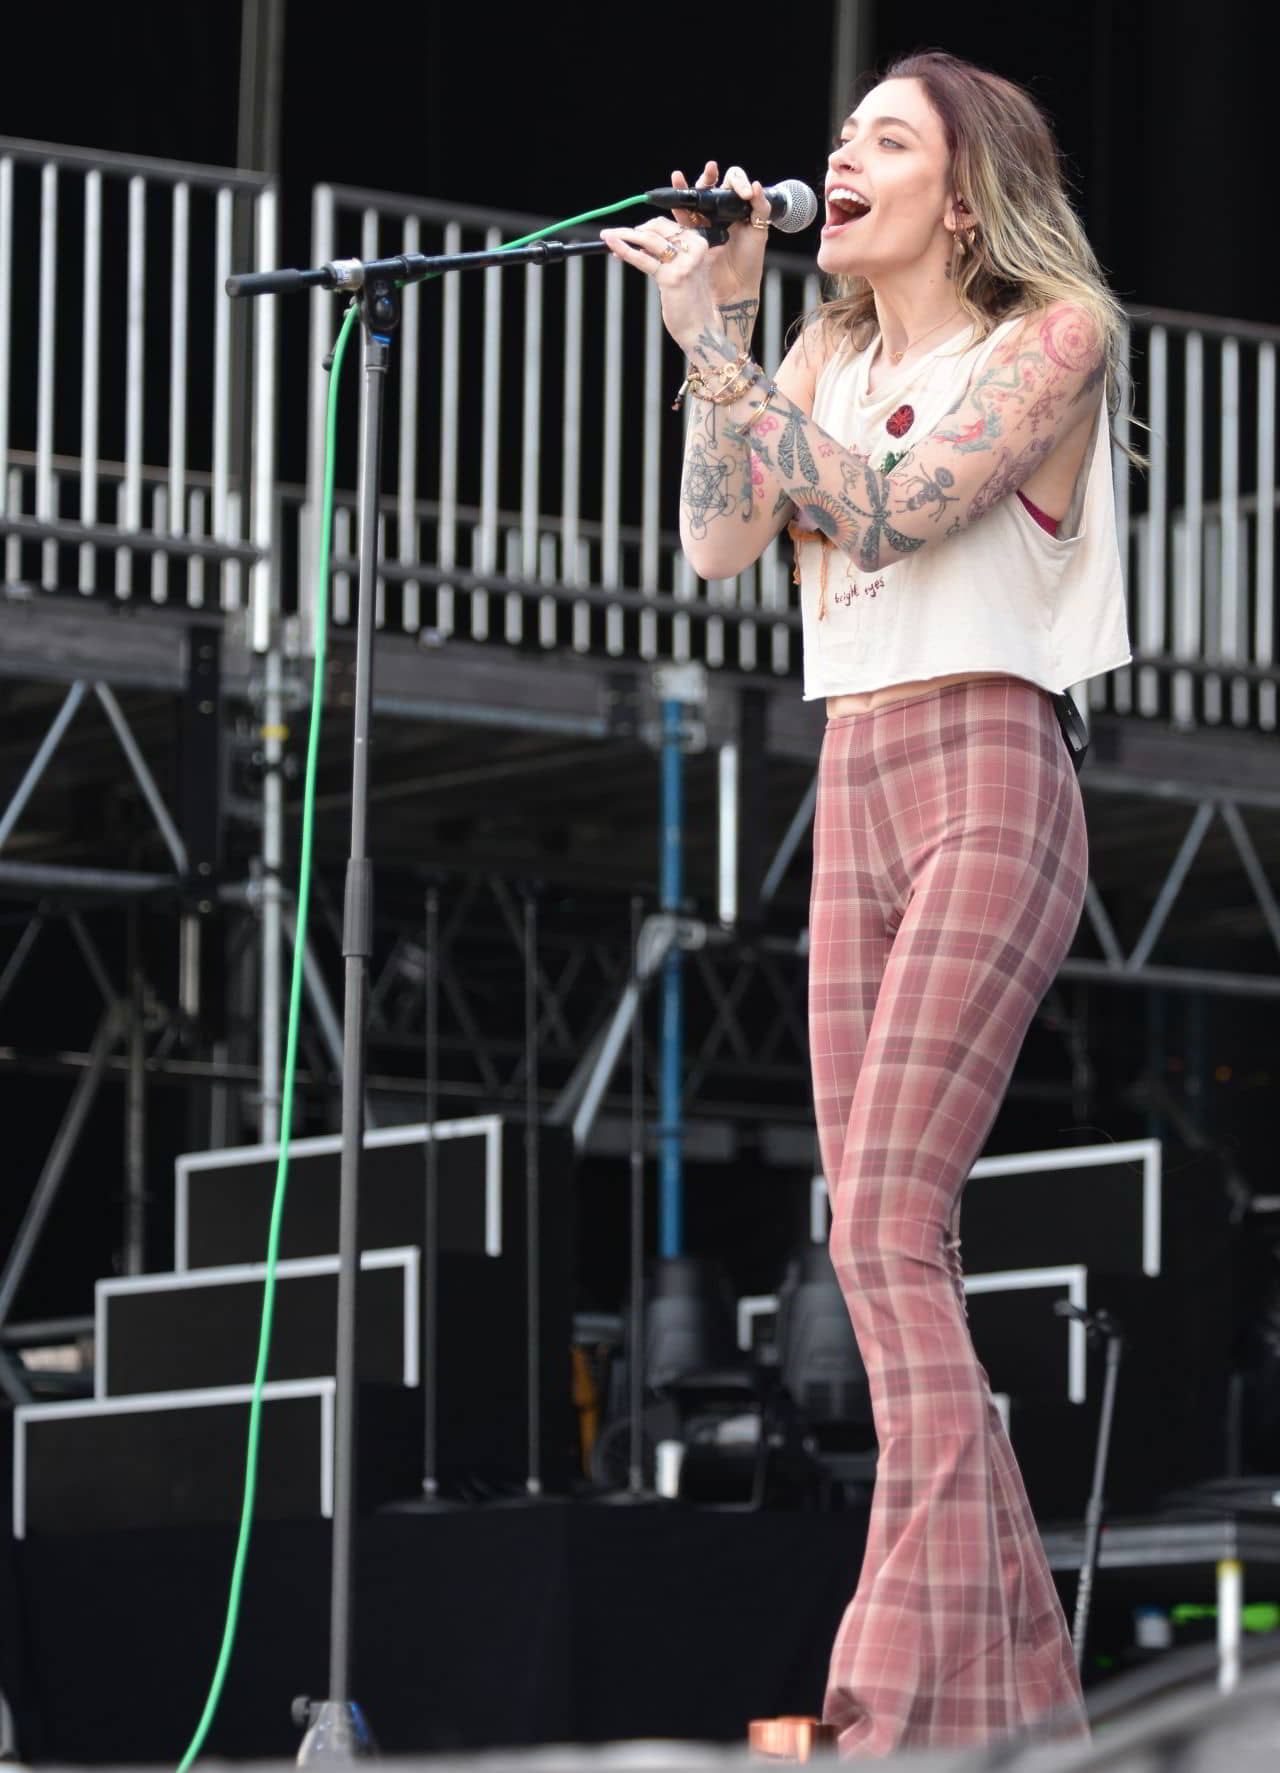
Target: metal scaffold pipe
[670, 1107]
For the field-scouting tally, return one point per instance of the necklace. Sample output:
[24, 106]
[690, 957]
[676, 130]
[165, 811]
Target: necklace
[897, 356]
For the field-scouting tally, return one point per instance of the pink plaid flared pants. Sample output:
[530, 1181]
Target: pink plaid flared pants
[950, 863]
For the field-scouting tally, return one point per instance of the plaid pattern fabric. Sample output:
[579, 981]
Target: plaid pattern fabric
[950, 864]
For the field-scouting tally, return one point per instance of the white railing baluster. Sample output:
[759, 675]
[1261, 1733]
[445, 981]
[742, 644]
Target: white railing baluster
[12, 546]
[450, 380]
[197, 527]
[342, 528]
[1264, 634]
[220, 452]
[571, 452]
[1151, 608]
[90, 361]
[1121, 681]
[530, 446]
[513, 604]
[159, 573]
[407, 543]
[610, 541]
[134, 371]
[651, 488]
[179, 310]
[1211, 649]
[323, 319]
[46, 349]
[1234, 641]
[485, 555]
[6, 326]
[263, 597]
[1189, 535]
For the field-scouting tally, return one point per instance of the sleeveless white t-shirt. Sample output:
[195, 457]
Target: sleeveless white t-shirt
[1003, 595]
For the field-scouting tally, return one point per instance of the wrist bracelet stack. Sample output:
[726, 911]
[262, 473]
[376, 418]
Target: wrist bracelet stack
[733, 380]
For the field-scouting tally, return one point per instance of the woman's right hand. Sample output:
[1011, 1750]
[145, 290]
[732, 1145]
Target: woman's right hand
[735, 269]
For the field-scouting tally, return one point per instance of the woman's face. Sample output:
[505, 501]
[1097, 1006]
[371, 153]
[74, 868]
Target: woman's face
[887, 187]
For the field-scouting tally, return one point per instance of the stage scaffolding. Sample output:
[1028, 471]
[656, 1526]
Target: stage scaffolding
[156, 581]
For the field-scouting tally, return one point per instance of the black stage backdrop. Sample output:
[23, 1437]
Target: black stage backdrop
[1160, 106]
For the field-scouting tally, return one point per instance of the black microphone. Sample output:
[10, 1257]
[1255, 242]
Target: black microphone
[792, 205]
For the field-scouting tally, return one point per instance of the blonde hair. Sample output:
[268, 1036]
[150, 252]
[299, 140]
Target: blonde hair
[1027, 248]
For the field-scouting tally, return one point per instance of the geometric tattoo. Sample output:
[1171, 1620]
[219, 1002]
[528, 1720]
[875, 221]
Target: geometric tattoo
[703, 493]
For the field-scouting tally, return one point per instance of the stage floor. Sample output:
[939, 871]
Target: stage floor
[488, 1627]
[494, 1626]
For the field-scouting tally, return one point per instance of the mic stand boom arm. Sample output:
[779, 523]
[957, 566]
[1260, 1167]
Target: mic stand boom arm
[408, 267]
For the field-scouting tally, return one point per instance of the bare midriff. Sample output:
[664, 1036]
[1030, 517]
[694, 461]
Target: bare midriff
[864, 702]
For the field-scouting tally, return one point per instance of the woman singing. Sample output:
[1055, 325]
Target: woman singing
[937, 440]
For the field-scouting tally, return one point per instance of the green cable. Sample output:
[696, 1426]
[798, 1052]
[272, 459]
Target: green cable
[290, 1062]
[295, 995]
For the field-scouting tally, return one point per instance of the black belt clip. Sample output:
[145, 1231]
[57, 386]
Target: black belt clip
[1074, 731]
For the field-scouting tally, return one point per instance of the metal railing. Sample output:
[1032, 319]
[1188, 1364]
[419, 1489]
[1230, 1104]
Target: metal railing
[533, 452]
[1198, 527]
[118, 349]
[531, 459]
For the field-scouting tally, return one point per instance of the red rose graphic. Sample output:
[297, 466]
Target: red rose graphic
[900, 421]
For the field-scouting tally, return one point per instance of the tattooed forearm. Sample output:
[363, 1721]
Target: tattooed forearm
[1013, 415]
[711, 348]
[1009, 473]
[719, 475]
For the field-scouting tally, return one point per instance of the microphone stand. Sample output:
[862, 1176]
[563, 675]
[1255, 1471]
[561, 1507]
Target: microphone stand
[1099, 1325]
[336, 1728]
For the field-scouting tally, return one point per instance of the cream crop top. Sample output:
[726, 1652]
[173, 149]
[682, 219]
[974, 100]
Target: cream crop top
[1002, 596]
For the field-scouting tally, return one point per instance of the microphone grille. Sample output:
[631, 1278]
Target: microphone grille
[801, 206]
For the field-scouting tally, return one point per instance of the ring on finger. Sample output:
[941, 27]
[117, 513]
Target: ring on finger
[668, 253]
[759, 221]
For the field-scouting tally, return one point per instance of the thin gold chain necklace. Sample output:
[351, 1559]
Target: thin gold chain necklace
[896, 357]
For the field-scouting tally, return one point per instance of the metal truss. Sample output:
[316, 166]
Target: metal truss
[1133, 964]
[51, 875]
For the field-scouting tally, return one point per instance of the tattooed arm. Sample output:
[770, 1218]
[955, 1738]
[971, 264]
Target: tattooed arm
[728, 515]
[1041, 384]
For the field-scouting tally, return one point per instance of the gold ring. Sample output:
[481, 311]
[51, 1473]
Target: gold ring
[758, 221]
[668, 255]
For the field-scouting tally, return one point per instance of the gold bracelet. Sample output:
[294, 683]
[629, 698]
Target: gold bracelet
[734, 379]
[758, 412]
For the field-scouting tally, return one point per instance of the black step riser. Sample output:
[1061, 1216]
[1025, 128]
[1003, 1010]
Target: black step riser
[199, 1333]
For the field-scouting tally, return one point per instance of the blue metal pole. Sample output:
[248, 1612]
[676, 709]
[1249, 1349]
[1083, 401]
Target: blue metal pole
[670, 1126]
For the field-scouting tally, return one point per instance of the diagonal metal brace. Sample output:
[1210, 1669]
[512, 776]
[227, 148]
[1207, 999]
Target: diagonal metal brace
[36, 768]
[584, 1092]
[1172, 884]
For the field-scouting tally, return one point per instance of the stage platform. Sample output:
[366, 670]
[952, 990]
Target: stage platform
[486, 1627]
[489, 1627]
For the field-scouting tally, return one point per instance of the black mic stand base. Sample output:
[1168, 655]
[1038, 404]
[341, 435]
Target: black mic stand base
[429, 1502]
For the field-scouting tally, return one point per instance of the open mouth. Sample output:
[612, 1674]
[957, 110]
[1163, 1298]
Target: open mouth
[845, 205]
